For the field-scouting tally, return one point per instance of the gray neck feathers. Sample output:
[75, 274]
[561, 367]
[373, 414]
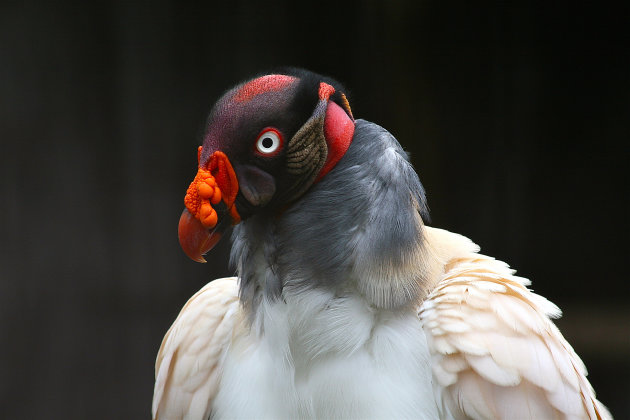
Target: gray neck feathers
[359, 230]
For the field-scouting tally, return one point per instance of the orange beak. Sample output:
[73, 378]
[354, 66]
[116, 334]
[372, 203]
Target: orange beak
[195, 239]
[214, 188]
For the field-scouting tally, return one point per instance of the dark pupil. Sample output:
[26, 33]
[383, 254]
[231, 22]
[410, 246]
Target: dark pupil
[267, 142]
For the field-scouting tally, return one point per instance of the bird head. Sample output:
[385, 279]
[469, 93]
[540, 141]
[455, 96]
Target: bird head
[267, 141]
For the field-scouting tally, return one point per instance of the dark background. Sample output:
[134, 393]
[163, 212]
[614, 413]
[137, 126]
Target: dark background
[516, 117]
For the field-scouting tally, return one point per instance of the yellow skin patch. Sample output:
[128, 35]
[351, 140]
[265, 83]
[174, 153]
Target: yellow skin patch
[346, 105]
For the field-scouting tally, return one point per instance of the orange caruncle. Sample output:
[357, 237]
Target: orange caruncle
[205, 190]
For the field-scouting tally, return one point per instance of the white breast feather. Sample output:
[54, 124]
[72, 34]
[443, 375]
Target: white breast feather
[329, 357]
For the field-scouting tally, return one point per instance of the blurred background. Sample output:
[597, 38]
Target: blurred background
[516, 117]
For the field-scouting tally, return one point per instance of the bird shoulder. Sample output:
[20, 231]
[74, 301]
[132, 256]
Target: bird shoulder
[187, 368]
[496, 354]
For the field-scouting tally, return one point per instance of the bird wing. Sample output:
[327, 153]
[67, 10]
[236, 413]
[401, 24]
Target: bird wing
[495, 352]
[188, 365]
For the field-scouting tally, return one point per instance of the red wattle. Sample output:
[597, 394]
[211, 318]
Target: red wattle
[339, 130]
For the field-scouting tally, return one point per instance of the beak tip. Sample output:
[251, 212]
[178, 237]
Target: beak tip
[194, 238]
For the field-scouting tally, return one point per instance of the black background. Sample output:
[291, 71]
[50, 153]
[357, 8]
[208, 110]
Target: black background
[516, 116]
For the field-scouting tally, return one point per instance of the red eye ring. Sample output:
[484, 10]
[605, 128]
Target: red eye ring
[269, 142]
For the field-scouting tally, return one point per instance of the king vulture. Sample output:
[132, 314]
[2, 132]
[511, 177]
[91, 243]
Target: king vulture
[346, 305]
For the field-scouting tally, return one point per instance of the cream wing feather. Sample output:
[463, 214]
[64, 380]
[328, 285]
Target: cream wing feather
[188, 365]
[495, 352]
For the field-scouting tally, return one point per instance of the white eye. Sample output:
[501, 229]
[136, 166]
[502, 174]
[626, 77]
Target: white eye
[269, 142]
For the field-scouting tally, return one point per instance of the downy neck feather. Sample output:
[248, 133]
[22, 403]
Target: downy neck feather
[358, 231]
